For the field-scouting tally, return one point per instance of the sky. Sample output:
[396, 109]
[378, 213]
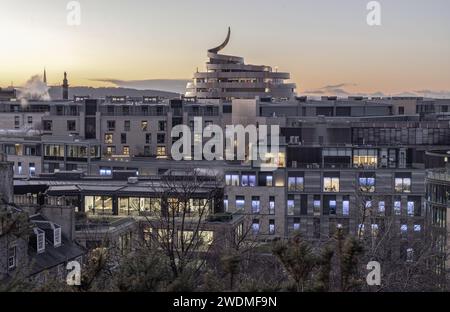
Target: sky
[326, 45]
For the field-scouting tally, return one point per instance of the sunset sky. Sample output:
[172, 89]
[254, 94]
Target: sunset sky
[326, 45]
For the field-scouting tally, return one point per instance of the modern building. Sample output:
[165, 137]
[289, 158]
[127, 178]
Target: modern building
[228, 77]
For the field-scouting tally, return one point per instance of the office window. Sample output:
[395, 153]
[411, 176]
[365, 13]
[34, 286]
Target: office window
[375, 230]
[108, 138]
[255, 226]
[256, 204]
[148, 138]
[123, 138]
[290, 206]
[397, 207]
[105, 171]
[365, 158]
[272, 205]
[240, 202]
[402, 184]
[147, 151]
[71, 125]
[126, 125]
[19, 168]
[144, 125]
[161, 151]
[110, 150]
[401, 110]
[248, 180]
[269, 180]
[111, 125]
[332, 207]
[345, 206]
[296, 224]
[98, 205]
[404, 229]
[417, 228]
[410, 208]
[367, 184]
[47, 125]
[161, 125]
[30, 120]
[317, 205]
[161, 138]
[381, 207]
[126, 150]
[17, 122]
[32, 169]
[331, 184]
[225, 203]
[232, 179]
[296, 184]
[271, 227]
[12, 260]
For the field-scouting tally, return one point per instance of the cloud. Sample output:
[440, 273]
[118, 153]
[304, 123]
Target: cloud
[168, 85]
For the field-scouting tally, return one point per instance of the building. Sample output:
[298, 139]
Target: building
[228, 77]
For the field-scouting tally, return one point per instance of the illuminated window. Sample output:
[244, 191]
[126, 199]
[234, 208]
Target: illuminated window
[255, 226]
[248, 180]
[240, 202]
[403, 184]
[367, 184]
[225, 203]
[126, 150]
[417, 228]
[269, 180]
[317, 205]
[331, 184]
[272, 205]
[397, 207]
[345, 207]
[271, 227]
[108, 138]
[374, 230]
[161, 151]
[232, 180]
[410, 209]
[381, 207]
[290, 206]
[365, 158]
[256, 205]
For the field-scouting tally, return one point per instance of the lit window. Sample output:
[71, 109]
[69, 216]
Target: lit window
[225, 203]
[290, 207]
[417, 228]
[126, 150]
[108, 138]
[410, 208]
[232, 180]
[403, 185]
[248, 180]
[374, 230]
[345, 207]
[272, 205]
[381, 207]
[240, 202]
[404, 229]
[19, 168]
[255, 226]
[367, 184]
[397, 207]
[271, 227]
[269, 180]
[296, 225]
[332, 207]
[317, 206]
[331, 184]
[365, 158]
[361, 228]
[255, 204]
[32, 170]
[296, 184]
[161, 151]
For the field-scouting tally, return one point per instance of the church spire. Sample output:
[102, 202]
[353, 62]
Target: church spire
[45, 76]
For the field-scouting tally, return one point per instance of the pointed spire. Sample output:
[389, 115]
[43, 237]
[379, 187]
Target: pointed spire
[45, 76]
[223, 45]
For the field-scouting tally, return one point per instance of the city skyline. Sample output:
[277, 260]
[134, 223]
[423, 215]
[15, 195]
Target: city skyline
[327, 47]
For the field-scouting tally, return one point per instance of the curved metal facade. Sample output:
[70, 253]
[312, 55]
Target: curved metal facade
[228, 77]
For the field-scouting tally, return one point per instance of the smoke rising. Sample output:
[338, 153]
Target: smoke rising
[34, 89]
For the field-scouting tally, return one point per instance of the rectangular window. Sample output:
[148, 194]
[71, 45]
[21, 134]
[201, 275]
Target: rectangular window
[240, 202]
[161, 151]
[71, 125]
[232, 179]
[111, 125]
[256, 205]
[410, 209]
[296, 224]
[317, 205]
[144, 125]
[17, 122]
[346, 206]
[381, 207]
[397, 207]
[148, 138]
[123, 138]
[272, 205]
[126, 150]
[47, 125]
[225, 203]
[110, 150]
[255, 226]
[367, 184]
[403, 184]
[331, 184]
[30, 120]
[161, 138]
[126, 125]
[417, 228]
[57, 236]
[12, 262]
[248, 180]
[32, 169]
[108, 138]
[271, 227]
[295, 184]
[290, 206]
[269, 180]
[332, 207]
[161, 125]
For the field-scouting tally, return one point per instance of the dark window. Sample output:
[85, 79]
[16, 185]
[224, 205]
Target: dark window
[401, 110]
[161, 138]
[47, 125]
[71, 125]
[126, 125]
[123, 138]
[111, 125]
[148, 138]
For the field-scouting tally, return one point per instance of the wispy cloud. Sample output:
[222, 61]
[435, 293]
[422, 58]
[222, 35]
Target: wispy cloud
[168, 85]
